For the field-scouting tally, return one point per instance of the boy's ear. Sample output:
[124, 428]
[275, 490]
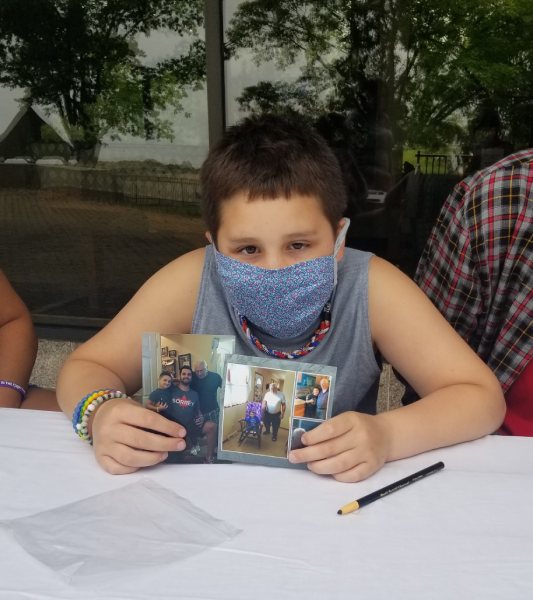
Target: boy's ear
[342, 245]
[340, 225]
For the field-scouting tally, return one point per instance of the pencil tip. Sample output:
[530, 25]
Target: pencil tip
[339, 512]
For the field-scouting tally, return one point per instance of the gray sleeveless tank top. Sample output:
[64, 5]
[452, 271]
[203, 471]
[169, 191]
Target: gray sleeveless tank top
[347, 346]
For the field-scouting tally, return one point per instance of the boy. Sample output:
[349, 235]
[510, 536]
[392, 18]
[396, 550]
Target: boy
[160, 395]
[278, 277]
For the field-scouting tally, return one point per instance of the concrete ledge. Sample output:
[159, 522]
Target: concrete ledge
[51, 355]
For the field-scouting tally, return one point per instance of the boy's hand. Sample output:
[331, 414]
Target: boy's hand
[121, 442]
[350, 446]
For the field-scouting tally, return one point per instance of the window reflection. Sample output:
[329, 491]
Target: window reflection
[413, 96]
[103, 123]
[102, 129]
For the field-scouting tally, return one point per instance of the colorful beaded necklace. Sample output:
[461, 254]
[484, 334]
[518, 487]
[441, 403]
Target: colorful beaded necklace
[317, 337]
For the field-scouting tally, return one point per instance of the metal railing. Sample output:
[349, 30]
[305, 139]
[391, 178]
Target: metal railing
[441, 164]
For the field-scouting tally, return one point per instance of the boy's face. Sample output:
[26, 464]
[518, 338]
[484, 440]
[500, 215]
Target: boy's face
[165, 381]
[275, 233]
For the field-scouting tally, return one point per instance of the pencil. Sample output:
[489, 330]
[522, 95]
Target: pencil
[389, 489]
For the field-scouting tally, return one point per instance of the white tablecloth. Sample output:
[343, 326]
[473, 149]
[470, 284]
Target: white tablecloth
[465, 532]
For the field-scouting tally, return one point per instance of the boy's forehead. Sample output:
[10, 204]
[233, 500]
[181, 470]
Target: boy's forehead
[239, 207]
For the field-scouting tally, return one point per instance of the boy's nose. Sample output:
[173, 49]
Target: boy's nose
[274, 261]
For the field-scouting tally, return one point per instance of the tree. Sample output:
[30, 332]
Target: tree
[81, 58]
[418, 67]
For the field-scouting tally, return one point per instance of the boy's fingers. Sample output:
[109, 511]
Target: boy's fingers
[327, 449]
[334, 464]
[141, 417]
[357, 473]
[326, 431]
[132, 459]
[113, 467]
[148, 440]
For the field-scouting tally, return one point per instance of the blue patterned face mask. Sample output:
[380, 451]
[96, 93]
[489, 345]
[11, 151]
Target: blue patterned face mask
[285, 302]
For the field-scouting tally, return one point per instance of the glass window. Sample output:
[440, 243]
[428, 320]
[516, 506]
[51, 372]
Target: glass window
[412, 96]
[103, 126]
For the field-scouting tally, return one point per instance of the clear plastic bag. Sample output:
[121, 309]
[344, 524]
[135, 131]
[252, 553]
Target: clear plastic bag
[140, 525]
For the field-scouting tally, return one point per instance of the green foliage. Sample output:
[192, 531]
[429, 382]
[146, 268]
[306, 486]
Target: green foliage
[80, 58]
[423, 67]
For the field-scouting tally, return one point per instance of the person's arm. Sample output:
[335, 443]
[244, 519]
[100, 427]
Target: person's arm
[112, 360]
[18, 344]
[157, 406]
[461, 399]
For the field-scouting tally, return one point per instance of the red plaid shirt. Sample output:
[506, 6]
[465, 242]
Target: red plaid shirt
[477, 266]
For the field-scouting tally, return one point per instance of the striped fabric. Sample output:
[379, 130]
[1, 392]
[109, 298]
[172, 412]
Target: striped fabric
[477, 266]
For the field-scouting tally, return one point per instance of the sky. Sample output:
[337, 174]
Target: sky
[190, 134]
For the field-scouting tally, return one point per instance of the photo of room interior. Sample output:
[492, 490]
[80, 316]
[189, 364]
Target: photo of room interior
[246, 428]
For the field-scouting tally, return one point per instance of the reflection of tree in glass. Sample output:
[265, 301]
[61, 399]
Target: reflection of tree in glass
[81, 59]
[434, 61]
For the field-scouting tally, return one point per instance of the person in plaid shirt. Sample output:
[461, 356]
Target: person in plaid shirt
[477, 268]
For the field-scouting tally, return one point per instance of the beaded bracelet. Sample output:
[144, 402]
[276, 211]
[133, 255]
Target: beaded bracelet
[86, 407]
[14, 386]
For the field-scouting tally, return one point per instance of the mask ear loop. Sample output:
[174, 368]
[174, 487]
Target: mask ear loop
[338, 243]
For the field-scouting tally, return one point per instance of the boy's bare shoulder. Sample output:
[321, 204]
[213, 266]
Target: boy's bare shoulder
[166, 302]
[191, 263]
[394, 297]
[186, 269]
[384, 274]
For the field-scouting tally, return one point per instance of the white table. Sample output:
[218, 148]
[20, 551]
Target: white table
[465, 532]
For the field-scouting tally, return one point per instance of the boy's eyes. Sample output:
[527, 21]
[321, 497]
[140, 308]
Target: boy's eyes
[251, 250]
[248, 250]
[299, 245]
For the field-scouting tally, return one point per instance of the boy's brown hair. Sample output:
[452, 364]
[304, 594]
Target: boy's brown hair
[271, 156]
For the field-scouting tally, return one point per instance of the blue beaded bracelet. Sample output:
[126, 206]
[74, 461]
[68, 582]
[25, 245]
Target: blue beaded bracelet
[86, 407]
[14, 386]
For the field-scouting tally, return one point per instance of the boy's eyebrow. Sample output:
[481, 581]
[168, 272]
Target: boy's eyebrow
[303, 234]
[291, 235]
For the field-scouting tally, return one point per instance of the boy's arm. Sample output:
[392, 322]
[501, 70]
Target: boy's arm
[112, 360]
[18, 343]
[460, 397]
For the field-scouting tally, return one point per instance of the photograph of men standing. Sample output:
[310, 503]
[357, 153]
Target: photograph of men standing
[206, 384]
[273, 410]
[181, 404]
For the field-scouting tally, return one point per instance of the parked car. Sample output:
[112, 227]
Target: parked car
[376, 197]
